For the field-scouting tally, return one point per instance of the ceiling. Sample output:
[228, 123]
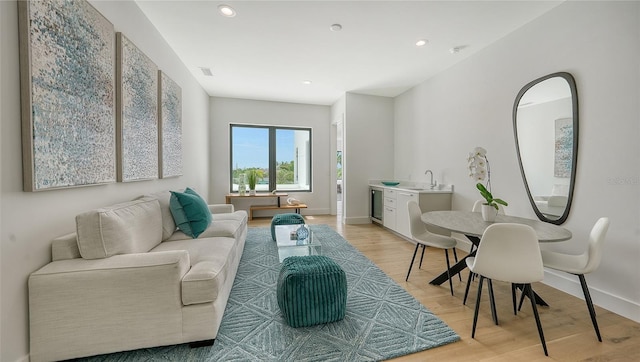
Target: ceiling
[270, 47]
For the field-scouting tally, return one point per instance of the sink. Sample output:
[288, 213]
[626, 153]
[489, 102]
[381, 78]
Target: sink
[415, 188]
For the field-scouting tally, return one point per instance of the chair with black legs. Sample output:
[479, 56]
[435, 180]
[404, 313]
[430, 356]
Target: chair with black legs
[477, 207]
[509, 253]
[582, 264]
[424, 238]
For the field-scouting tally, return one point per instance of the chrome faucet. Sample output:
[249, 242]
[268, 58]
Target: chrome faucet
[432, 184]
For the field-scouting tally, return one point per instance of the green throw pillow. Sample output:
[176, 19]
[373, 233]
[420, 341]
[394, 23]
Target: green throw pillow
[190, 212]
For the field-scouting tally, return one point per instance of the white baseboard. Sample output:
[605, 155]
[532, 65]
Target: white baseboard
[571, 284]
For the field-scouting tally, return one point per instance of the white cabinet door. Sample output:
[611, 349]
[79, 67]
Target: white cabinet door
[389, 219]
[402, 212]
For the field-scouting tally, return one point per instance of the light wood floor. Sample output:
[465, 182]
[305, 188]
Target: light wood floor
[567, 327]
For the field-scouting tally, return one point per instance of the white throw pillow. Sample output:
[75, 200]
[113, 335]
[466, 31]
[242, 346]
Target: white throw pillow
[126, 228]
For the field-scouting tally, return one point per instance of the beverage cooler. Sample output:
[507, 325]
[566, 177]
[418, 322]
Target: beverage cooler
[377, 201]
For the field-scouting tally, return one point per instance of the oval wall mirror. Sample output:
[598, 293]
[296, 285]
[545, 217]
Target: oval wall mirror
[545, 124]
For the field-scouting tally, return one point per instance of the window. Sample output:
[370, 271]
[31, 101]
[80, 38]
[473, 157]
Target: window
[280, 155]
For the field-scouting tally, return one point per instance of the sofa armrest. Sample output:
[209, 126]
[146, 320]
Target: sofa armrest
[65, 247]
[75, 302]
[221, 208]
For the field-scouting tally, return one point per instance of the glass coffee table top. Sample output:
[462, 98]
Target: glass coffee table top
[294, 242]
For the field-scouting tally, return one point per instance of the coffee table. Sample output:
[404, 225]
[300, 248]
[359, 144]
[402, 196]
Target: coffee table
[290, 245]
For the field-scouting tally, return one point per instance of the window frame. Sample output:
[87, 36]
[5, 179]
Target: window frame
[272, 130]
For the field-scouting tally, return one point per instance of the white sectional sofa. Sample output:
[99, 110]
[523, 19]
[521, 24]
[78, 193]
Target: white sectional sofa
[128, 279]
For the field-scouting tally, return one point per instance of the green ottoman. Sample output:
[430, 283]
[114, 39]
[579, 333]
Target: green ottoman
[311, 290]
[284, 219]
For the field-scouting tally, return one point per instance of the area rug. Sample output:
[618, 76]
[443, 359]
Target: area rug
[382, 320]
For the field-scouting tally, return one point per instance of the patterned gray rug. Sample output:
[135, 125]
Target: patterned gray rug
[382, 320]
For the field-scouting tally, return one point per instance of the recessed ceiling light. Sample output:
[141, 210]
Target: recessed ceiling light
[306, 82]
[421, 42]
[335, 27]
[227, 11]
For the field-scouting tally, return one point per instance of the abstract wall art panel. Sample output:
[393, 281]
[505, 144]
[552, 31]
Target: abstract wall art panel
[67, 81]
[563, 148]
[170, 122]
[136, 113]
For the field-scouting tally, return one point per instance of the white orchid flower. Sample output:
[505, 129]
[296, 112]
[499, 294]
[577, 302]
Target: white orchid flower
[479, 151]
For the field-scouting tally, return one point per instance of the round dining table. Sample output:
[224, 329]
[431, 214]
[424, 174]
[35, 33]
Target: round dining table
[472, 226]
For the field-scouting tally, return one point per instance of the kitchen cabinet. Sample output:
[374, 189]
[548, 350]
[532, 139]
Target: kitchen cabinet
[389, 217]
[395, 215]
[427, 202]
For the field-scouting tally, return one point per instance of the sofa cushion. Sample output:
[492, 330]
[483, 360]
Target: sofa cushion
[190, 212]
[168, 224]
[239, 215]
[126, 228]
[211, 263]
[223, 228]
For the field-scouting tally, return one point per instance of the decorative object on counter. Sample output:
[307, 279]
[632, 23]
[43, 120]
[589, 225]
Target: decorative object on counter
[302, 232]
[293, 201]
[252, 178]
[390, 183]
[479, 170]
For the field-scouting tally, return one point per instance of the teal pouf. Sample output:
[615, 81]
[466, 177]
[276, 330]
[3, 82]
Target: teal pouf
[284, 219]
[311, 290]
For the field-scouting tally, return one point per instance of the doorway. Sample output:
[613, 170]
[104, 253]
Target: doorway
[338, 167]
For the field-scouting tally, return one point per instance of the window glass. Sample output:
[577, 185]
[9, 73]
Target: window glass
[280, 155]
[250, 151]
[293, 159]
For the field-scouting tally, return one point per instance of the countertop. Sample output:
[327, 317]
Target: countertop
[414, 187]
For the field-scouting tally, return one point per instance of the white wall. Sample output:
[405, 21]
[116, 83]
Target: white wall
[368, 154]
[225, 111]
[470, 105]
[30, 220]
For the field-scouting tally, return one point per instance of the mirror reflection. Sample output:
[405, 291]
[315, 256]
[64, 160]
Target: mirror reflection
[545, 126]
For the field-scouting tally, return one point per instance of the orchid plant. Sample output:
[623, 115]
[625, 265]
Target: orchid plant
[479, 170]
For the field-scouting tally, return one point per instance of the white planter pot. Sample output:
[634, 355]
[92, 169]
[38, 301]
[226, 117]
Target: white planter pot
[252, 192]
[489, 213]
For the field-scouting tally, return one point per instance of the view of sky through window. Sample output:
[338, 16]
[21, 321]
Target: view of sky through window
[251, 147]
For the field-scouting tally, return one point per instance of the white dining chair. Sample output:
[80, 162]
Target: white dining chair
[582, 264]
[423, 237]
[510, 253]
[477, 207]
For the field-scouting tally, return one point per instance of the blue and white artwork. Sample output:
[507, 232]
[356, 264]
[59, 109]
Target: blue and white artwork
[137, 115]
[564, 148]
[170, 127]
[67, 94]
